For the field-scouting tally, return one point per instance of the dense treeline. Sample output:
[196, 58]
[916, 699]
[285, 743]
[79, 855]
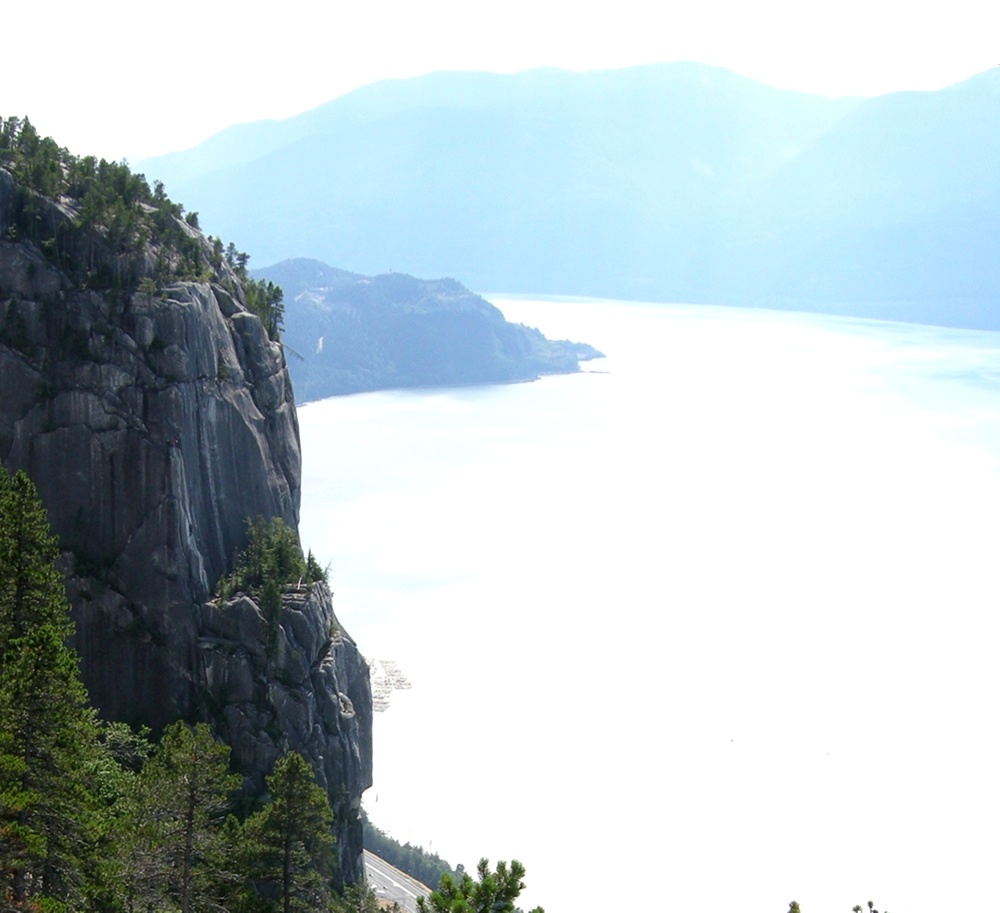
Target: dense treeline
[93, 816]
[418, 863]
[107, 228]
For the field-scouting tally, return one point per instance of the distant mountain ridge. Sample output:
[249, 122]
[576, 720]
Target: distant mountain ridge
[668, 182]
[348, 333]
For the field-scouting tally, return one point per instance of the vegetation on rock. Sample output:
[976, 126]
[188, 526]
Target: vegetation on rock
[105, 226]
[97, 302]
[271, 560]
[94, 817]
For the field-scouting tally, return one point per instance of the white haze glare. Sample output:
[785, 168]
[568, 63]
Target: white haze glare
[713, 630]
[121, 79]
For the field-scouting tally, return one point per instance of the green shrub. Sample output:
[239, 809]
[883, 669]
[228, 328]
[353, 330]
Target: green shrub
[271, 559]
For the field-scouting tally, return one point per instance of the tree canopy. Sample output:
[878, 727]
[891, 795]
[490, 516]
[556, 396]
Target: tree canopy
[271, 558]
[494, 892]
[105, 225]
[289, 847]
[49, 804]
[94, 817]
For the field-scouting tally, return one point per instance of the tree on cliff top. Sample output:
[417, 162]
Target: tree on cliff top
[272, 556]
[134, 238]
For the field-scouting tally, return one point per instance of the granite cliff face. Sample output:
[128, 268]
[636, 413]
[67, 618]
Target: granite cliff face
[153, 426]
[310, 692]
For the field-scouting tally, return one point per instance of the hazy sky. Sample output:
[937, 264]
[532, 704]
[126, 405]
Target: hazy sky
[126, 79]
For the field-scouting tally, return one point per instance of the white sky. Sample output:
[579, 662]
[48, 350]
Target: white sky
[127, 79]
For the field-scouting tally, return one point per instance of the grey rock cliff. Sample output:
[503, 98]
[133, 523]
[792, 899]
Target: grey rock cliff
[307, 689]
[154, 426]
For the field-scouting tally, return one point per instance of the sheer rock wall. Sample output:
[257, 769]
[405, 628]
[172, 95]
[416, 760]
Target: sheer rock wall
[153, 427]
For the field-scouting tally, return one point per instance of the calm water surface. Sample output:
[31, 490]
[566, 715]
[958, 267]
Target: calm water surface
[713, 626]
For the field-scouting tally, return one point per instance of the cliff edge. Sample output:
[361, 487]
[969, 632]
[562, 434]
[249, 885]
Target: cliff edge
[154, 424]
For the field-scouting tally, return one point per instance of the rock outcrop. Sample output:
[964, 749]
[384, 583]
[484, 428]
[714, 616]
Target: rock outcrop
[154, 425]
[306, 688]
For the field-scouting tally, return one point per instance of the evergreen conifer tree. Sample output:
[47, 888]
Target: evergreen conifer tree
[49, 809]
[32, 591]
[288, 842]
[494, 892]
[182, 796]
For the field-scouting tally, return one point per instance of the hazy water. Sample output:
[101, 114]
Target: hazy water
[712, 630]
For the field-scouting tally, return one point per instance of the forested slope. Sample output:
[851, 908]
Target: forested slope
[348, 333]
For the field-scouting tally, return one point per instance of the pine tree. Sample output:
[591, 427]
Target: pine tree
[124, 849]
[49, 809]
[32, 591]
[48, 746]
[495, 892]
[288, 842]
[183, 794]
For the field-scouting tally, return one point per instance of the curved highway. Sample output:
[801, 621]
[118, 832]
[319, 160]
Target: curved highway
[390, 884]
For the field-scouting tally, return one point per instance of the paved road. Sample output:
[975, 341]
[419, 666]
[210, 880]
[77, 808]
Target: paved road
[389, 883]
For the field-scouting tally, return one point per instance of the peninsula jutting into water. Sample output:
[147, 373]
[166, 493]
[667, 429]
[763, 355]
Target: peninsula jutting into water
[732, 598]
